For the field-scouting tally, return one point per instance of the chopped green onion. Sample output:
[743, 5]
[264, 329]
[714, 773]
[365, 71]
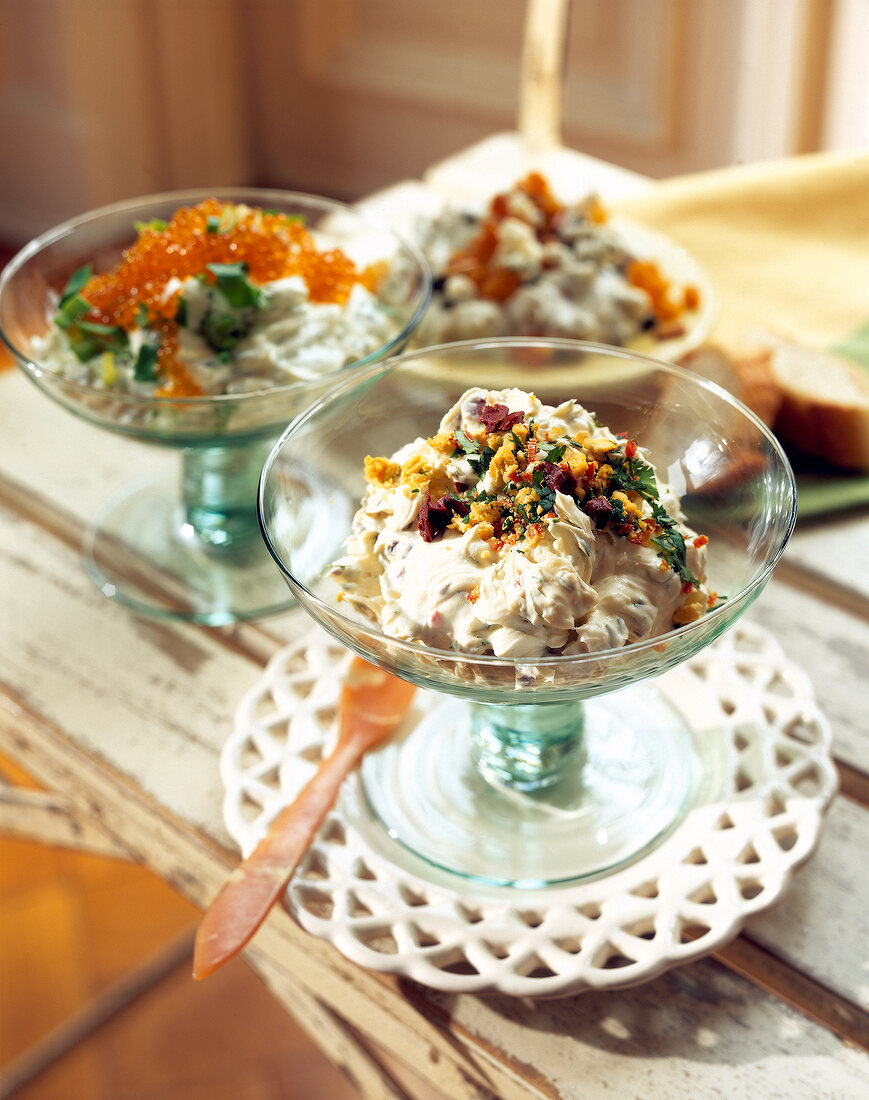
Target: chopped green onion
[145, 367]
[76, 281]
[222, 330]
[87, 339]
[235, 286]
[73, 307]
[156, 225]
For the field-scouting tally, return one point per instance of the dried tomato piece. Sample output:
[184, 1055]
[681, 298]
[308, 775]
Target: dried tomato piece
[559, 479]
[599, 509]
[498, 418]
[435, 515]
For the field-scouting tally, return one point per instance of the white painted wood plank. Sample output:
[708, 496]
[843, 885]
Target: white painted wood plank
[822, 924]
[698, 1031]
[838, 550]
[51, 819]
[154, 701]
[63, 457]
[832, 649]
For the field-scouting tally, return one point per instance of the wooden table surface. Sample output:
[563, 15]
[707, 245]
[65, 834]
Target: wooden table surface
[122, 718]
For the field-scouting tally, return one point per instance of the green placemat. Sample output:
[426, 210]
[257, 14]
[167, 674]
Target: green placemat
[819, 495]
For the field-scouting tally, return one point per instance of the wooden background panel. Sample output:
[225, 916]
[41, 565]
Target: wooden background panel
[102, 101]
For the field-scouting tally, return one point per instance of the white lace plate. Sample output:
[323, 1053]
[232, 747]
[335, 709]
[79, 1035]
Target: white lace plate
[732, 855]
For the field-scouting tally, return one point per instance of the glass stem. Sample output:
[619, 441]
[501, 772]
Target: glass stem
[526, 746]
[218, 491]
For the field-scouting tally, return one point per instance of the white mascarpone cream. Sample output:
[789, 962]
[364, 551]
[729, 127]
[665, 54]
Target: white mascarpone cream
[221, 299]
[288, 338]
[521, 530]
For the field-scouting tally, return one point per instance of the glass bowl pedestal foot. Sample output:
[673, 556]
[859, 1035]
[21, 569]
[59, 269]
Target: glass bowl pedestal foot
[532, 795]
[194, 555]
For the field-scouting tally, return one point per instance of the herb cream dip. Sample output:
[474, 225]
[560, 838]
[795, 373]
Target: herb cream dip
[521, 530]
[223, 298]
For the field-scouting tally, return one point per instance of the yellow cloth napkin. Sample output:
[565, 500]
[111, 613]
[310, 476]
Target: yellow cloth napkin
[786, 246]
[786, 243]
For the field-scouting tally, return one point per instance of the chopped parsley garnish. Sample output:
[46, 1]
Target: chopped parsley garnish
[480, 455]
[468, 445]
[481, 463]
[671, 545]
[546, 495]
[553, 452]
[633, 474]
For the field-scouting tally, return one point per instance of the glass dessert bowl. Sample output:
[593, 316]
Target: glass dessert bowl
[545, 767]
[190, 549]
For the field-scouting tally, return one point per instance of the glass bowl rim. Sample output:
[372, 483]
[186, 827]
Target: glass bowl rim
[715, 615]
[260, 195]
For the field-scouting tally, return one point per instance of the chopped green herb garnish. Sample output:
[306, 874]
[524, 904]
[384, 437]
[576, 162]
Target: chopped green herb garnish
[181, 311]
[235, 286]
[222, 330]
[73, 308]
[633, 475]
[671, 545]
[76, 281]
[145, 367]
[213, 224]
[546, 503]
[156, 225]
[142, 315]
[88, 338]
[553, 452]
[481, 464]
[468, 445]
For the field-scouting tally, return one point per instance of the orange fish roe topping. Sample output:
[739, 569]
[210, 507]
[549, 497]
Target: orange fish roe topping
[271, 245]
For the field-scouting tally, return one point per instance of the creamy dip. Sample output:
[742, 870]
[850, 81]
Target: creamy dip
[530, 265]
[254, 303]
[288, 337]
[521, 530]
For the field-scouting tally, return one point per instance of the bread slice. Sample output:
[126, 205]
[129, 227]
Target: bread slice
[824, 409]
[747, 374]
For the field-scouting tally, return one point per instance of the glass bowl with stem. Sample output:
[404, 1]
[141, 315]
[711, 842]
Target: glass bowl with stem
[533, 771]
[189, 548]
